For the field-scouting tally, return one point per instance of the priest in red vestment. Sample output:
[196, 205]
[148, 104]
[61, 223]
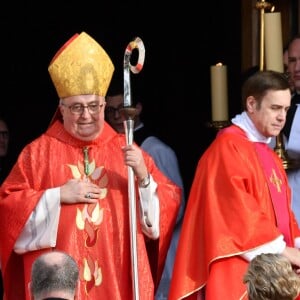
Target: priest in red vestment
[69, 191]
[239, 203]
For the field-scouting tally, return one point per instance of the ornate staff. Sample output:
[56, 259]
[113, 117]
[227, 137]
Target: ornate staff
[129, 113]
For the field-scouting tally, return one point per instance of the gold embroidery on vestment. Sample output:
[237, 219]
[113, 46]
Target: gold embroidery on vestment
[276, 180]
[90, 217]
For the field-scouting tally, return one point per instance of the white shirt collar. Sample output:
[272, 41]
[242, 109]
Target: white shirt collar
[243, 121]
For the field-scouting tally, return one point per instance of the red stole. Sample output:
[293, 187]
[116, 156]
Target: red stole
[277, 190]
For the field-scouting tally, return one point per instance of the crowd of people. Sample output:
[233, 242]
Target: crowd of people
[65, 222]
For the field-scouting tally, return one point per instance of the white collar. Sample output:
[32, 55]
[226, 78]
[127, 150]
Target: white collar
[243, 121]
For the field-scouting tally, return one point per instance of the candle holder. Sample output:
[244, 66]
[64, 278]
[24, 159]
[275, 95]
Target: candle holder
[287, 162]
[262, 5]
[217, 125]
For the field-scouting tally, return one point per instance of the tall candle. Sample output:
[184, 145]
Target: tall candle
[219, 94]
[273, 41]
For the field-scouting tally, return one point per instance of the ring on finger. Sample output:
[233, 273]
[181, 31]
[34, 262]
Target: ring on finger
[87, 195]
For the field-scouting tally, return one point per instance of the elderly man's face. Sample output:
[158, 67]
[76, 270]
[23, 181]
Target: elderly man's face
[83, 116]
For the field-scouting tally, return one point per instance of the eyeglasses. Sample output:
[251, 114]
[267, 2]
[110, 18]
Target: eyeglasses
[78, 109]
[4, 134]
[111, 111]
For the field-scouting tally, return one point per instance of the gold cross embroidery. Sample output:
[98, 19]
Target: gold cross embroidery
[276, 180]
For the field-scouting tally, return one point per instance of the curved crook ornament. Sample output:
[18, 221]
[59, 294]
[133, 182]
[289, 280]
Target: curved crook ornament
[138, 44]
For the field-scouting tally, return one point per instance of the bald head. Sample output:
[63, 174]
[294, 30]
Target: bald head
[54, 275]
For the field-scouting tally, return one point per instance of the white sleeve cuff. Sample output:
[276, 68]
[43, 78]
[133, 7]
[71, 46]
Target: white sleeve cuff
[149, 209]
[276, 246]
[40, 230]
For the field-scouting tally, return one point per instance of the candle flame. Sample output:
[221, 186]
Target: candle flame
[219, 64]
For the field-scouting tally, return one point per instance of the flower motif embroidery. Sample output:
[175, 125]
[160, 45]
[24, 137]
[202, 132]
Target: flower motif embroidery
[90, 218]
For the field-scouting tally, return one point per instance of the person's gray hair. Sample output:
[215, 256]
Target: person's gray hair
[49, 274]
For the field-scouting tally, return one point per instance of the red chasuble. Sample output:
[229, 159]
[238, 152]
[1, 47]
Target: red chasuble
[230, 211]
[96, 235]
